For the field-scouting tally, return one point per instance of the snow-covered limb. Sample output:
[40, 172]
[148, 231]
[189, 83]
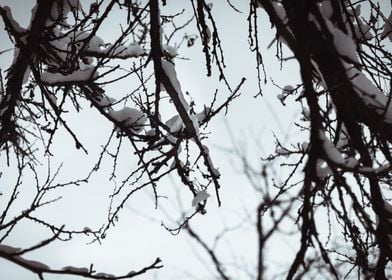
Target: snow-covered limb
[352, 165]
[121, 51]
[77, 76]
[106, 101]
[13, 255]
[326, 8]
[330, 150]
[130, 118]
[165, 74]
[215, 172]
[369, 93]
[323, 171]
[17, 71]
[344, 45]
[170, 71]
[65, 44]
[171, 51]
[175, 124]
[377, 171]
[76, 269]
[334, 156]
[133, 50]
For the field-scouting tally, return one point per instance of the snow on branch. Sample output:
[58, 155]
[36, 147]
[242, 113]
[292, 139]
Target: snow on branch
[12, 254]
[369, 93]
[77, 76]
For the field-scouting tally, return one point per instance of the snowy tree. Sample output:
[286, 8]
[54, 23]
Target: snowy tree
[345, 60]
[61, 62]
[64, 63]
[343, 49]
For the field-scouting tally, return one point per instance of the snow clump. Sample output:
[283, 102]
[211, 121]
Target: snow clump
[200, 196]
[130, 117]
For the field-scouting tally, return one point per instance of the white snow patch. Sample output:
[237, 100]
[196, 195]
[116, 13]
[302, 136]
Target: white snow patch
[103, 274]
[135, 49]
[377, 170]
[80, 35]
[88, 60]
[175, 124]
[118, 51]
[170, 71]
[330, 150]
[2, 111]
[171, 51]
[323, 172]
[16, 54]
[281, 98]
[215, 172]
[342, 142]
[173, 164]
[26, 75]
[344, 45]
[106, 101]
[362, 30]
[151, 132]
[356, 12]
[35, 264]
[200, 196]
[76, 269]
[172, 139]
[76, 76]
[369, 93]
[162, 87]
[53, 98]
[132, 50]
[282, 152]
[280, 11]
[351, 162]
[288, 89]
[130, 117]
[306, 113]
[195, 123]
[326, 9]
[96, 43]
[387, 207]
[203, 114]
[208, 33]
[322, 169]
[87, 229]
